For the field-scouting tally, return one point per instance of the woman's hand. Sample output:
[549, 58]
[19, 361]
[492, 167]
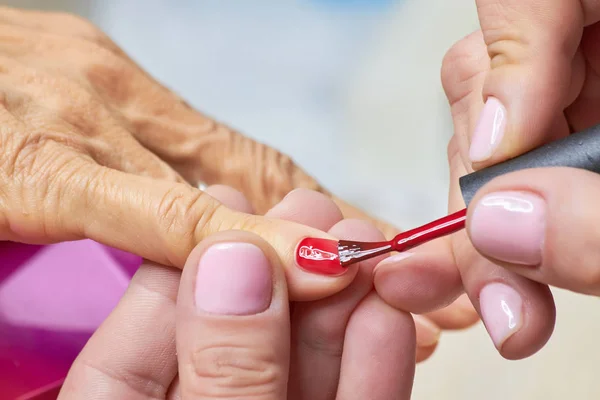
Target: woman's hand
[351, 345]
[530, 75]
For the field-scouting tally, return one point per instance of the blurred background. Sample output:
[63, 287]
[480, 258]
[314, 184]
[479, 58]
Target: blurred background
[351, 90]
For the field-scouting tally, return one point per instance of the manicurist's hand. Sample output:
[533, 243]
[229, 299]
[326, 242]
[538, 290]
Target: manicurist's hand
[529, 76]
[226, 329]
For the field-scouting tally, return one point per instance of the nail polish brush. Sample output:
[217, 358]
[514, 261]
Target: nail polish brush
[578, 150]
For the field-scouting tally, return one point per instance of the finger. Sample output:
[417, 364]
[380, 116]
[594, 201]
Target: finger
[548, 230]
[158, 220]
[535, 73]
[132, 354]
[424, 353]
[419, 281]
[379, 353]
[458, 315]
[230, 198]
[518, 314]
[319, 327]
[427, 337]
[307, 207]
[233, 321]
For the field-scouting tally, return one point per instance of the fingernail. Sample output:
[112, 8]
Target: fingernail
[428, 334]
[510, 226]
[489, 130]
[501, 311]
[319, 256]
[233, 279]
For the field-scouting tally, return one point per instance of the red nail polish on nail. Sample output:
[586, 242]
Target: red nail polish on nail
[319, 256]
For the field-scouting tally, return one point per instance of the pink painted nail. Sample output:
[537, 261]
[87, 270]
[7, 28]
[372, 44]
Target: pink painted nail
[510, 227]
[489, 130]
[501, 311]
[233, 279]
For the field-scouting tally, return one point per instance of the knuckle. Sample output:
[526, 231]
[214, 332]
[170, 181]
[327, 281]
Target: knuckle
[31, 157]
[41, 175]
[464, 62]
[506, 41]
[186, 215]
[506, 50]
[223, 369]
[454, 61]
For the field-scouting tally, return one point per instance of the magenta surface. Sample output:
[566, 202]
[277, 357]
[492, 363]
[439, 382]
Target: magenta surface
[52, 298]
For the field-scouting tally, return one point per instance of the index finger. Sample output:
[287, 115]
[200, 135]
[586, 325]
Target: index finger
[72, 198]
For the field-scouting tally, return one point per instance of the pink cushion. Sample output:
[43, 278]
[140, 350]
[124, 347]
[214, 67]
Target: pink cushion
[52, 298]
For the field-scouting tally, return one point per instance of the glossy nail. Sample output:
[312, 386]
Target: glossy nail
[319, 256]
[501, 311]
[233, 279]
[489, 130]
[510, 227]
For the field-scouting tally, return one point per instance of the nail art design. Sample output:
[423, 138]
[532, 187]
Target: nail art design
[319, 256]
[309, 253]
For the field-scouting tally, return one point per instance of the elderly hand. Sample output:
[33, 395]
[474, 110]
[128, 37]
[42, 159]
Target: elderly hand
[231, 334]
[94, 148]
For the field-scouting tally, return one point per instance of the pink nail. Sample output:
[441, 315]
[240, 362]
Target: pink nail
[510, 226]
[501, 311]
[233, 279]
[489, 130]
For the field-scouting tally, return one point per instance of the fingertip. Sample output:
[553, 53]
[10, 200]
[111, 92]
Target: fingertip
[425, 353]
[539, 316]
[230, 198]
[419, 282]
[523, 109]
[518, 314]
[428, 333]
[240, 260]
[324, 213]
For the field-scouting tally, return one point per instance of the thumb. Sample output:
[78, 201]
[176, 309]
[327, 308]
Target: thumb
[536, 71]
[233, 323]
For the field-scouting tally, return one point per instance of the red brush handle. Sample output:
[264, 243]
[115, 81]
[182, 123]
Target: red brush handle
[433, 230]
